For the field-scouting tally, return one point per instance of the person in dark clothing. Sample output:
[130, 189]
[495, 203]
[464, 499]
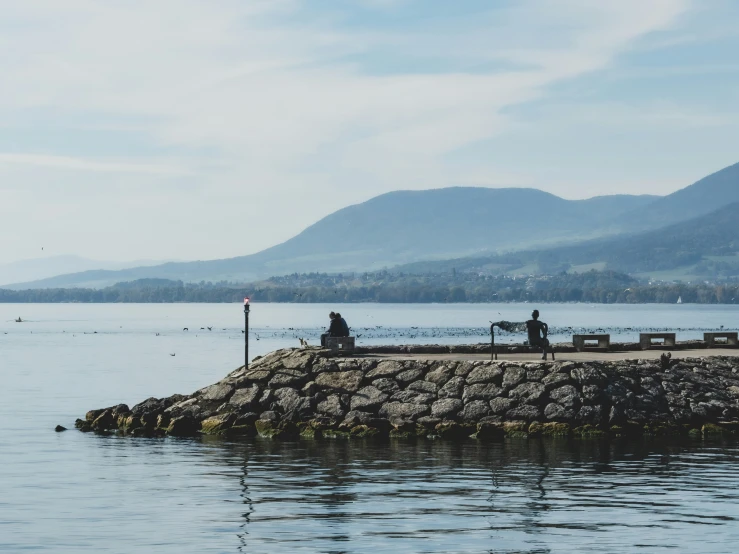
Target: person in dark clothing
[538, 331]
[344, 326]
[335, 328]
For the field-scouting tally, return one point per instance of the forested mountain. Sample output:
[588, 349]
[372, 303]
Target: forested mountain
[399, 227]
[705, 246]
[705, 196]
[462, 222]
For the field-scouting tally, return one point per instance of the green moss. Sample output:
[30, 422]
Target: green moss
[336, 434]
[588, 431]
[555, 429]
[241, 431]
[399, 434]
[363, 431]
[131, 423]
[535, 429]
[489, 432]
[515, 430]
[695, 434]
[271, 433]
[663, 430]
[310, 433]
[214, 426]
[454, 431]
[715, 430]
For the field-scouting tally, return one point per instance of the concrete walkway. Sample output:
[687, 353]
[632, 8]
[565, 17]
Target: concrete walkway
[566, 356]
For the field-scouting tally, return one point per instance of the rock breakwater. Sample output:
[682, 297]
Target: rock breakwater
[312, 393]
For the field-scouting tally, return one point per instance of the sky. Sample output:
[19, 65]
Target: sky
[203, 129]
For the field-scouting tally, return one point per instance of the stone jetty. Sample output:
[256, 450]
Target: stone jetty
[313, 393]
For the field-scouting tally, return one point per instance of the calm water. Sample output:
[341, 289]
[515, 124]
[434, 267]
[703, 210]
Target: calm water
[74, 492]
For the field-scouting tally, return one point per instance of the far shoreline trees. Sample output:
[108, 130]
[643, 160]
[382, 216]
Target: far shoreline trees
[598, 287]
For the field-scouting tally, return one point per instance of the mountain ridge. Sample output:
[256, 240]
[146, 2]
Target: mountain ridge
[447, 223]
[393, 228]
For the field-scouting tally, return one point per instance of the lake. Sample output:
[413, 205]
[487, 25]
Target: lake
[74, 492]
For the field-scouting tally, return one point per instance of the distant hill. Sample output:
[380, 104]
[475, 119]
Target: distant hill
[41, 268]
[420, 226]
[399, 227]
[702, 197]
[706, 246]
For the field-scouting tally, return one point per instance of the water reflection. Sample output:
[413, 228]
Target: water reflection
[517, 496]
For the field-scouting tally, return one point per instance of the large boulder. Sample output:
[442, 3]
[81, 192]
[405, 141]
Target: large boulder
[567, 396]
[528, 393]
[388, 368]
[245, 399]
[554, 380]
[368, 399]
[446, 408]
[413, 397]
[513, 376]
[150, 405]
[331, 406]
[217, 425]
[408, 376]
[288, 378]
[439, 375]
[341, 381]
[387, 385]
[399, 410]
[291, 404]
[485, 374]
[501, 405]
[474, 411]
[452, 388]
[481, 392]
[423, 386]
[526, 413]
[557, 412]
[588, 375]
[184, 426]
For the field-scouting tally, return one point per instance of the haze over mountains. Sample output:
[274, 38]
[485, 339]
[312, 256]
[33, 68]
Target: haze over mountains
[41, 268]
[413, 226]
[707, 245]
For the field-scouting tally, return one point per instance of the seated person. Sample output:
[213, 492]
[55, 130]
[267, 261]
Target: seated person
[335, 328]
[344, 326]
[538, 331]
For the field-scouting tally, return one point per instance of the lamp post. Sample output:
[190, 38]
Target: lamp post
[493, 353]
[246, 333]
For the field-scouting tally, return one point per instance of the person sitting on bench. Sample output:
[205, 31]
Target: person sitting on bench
[335, 328]
[538, 331]
[344, 326]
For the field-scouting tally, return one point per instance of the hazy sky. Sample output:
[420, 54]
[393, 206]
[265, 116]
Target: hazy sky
[204, 129]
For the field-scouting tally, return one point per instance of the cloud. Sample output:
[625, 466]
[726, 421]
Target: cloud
[253, 100]
[80, 164]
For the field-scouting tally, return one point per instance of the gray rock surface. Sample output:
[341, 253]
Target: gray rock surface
[313, 390]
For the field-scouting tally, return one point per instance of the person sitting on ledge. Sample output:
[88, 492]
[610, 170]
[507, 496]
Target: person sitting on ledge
[538, 331]
[335, 329]
[344, 326]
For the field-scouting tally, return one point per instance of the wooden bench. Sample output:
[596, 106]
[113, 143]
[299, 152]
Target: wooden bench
[732, 339]
[645, 340]
[579, 342]
[343, 344]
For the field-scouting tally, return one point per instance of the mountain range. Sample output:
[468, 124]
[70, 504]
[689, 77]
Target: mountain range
[704, 246]
[477, 224]
[40, 268]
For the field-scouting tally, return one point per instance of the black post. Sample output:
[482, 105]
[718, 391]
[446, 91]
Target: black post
[246, 333]
[493, 353]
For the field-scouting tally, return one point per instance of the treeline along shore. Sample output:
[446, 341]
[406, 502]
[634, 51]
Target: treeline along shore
[602, 287]
[313, 393]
